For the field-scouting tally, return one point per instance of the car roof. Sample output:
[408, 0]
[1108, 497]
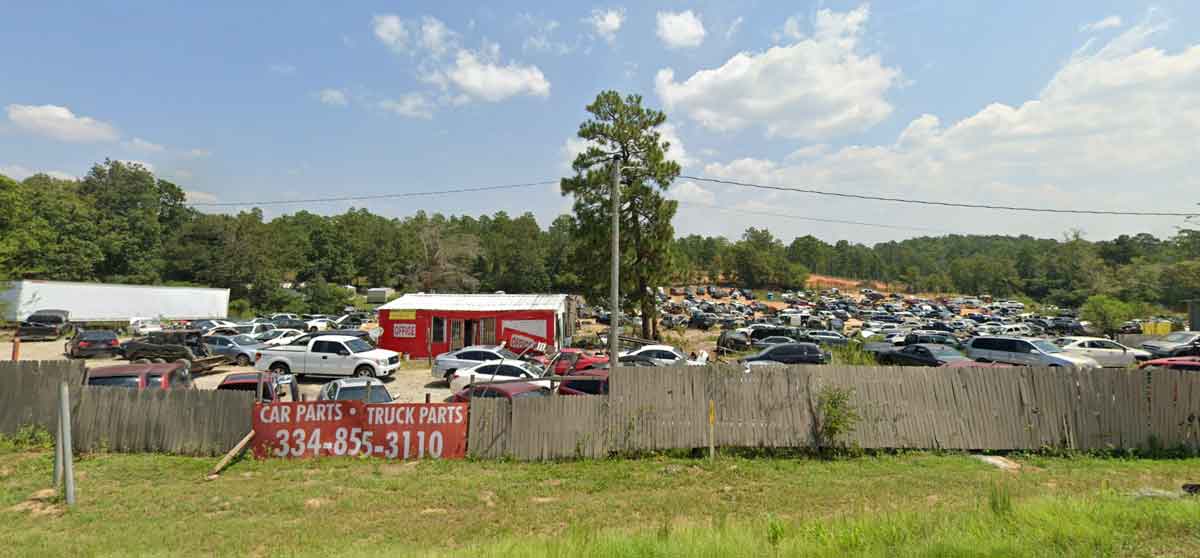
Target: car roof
[655, 348]
[356, 382]
[479, 348]
[335, 337]
[133, 369]
[510, 361]
[245, 378]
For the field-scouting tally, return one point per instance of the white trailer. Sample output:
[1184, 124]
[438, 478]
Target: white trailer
[101, 302]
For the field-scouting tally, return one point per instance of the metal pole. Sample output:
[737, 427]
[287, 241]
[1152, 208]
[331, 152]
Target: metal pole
[615, 294]
[58, 452]
[64, 419]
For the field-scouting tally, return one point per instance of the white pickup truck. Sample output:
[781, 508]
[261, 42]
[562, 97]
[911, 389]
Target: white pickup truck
[328, 355]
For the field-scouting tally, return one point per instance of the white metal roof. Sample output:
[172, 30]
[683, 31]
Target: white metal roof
[477, 302]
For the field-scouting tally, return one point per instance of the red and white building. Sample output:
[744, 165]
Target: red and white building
[422, 325]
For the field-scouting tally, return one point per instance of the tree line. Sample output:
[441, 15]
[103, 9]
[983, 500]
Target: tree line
[122, 224]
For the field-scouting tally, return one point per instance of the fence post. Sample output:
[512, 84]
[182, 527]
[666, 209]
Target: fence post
[712, 425]
[16, 349]
[58, 452]
[64, 421]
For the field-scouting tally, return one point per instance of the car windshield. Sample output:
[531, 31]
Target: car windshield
[1180, 337]
[97, 336]
[115, 381]
[505, 353]
[359, 346]
[1046, 346]
[244, 340]
[379, 394]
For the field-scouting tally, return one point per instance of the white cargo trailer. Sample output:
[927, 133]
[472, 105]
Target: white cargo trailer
[101, 302]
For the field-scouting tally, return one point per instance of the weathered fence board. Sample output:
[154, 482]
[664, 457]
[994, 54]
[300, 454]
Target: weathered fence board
[577, 430]
[29, 392]
[490, 428]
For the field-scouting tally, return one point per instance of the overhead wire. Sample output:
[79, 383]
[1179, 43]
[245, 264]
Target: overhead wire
[815, 219]
[941, 203]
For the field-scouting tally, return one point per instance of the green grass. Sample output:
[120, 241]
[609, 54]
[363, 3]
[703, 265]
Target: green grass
[911, 504]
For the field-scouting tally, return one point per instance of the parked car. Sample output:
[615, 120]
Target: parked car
[143, 326]
[275, 388]
[92, 342]
[1190, 363]
[1026, 352]
[772, 340]
[733, 341]
[496, 370]
[314, 325]
[1179, 343]
[44, 325]
[328, 355]
[278, 336]
[239, 349]
[668, 355]
[304, 338]
[571, 359]
[171, 345]
[1106, 352]
[166, 375]
[790, 353]
[596, 383]
[212, 324]
[500, 391]
[826, 337]
[467, 357]
[921, 354]
[253, 330]
[367, 389]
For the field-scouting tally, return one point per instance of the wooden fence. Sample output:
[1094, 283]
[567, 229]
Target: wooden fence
[920, 408]
[186, 422]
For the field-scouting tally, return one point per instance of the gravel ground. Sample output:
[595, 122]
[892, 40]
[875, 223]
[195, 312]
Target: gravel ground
[409, 385]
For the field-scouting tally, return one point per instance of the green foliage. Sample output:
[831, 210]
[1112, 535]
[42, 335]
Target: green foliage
[27, 438]
[836, 417]
[1000, 499]
[326, 298]
[1106, 313]
[240, 308]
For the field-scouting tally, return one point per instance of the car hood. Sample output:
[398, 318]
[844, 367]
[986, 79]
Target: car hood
[376, 354]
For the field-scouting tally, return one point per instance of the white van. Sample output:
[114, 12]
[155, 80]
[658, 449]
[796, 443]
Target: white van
[1025, 352]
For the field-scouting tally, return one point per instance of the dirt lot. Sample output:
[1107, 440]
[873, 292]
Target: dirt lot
[407, 385]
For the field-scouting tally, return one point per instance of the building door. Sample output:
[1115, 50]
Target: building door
[456, 335]
[487, 331]
[471, 332]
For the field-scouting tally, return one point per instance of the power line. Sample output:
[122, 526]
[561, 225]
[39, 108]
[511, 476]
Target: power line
[468, 190]
[816, 219]
[940, 203]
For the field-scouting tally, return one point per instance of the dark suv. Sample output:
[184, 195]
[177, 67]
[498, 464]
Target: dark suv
[44, 325]
[790, 353]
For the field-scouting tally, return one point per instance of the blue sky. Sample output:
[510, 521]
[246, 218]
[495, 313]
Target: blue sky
[1062, 104]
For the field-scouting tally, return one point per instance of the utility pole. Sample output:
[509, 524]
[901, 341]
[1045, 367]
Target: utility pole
[615, 295]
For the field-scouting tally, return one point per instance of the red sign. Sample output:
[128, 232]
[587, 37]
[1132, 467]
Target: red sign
[337, 428]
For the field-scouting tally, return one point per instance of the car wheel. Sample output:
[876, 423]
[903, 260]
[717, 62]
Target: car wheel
[158, 361]
[279, 369]
[243, 360]
[447, 376]
[364, 372]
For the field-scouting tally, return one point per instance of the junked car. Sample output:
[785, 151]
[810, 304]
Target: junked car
[496, 370]
[1179, 343]
[1025, 352]
[328, 355]
[369, 390]
[44, 325]
[1107, 353]
[668, 355]
[93, 342]
[167, 375]
[467, 357]
[239, 349]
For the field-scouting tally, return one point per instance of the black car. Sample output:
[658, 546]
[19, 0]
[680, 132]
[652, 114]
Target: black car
[89, 343]
[791, 353]
[703, 320]
[44, 325]
[921, 354]
[733, 341]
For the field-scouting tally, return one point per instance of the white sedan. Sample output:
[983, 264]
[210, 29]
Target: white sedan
[494, 371]
[1108, 353]
[667, 355]
[275, 337]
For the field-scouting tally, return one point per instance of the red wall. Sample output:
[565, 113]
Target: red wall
[416, 347]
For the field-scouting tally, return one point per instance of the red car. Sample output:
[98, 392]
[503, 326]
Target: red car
[511, 391]
[168, 375]
[1189, 363]
[588, 387]
[581, 358]
[274, 388]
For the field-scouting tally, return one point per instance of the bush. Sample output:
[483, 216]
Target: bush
[835, 416]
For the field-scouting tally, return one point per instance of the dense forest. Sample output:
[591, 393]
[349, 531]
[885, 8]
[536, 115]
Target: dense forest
[120, 223]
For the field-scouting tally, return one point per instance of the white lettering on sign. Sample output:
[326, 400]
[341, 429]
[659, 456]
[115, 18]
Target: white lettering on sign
[404, 331]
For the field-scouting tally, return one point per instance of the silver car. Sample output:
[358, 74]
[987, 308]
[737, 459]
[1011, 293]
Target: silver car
[1025, 352]
[446, 363]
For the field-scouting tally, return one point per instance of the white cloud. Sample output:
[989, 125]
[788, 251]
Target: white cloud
[482, 76]
[1096, 136]
[193, 196]
[792, 29]
[283, 69]
[818, 87]
[606, 23]
[676, 152]
[733, 28]
[436, 37]
[332, 97]
[391, 31]
[139, 144]
[680, 29]
[540, 35]
[410, 105]
[197, 153]
[60, 123]
[571, 149]
[20, 172]
[690, 192]
[1110, 22]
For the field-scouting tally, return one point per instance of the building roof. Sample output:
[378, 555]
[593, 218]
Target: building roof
[477, 302]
